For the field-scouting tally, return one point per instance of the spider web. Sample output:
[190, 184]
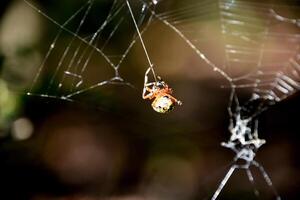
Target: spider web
[259, 57]
[82, 47]
[261, 63]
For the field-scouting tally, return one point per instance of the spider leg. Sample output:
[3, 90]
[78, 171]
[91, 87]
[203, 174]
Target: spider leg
[175, 100]
[149, 84]
[148, 96]
[267, 179]
[145, 90]
[149, 90]
[224, 181]
[146, 76]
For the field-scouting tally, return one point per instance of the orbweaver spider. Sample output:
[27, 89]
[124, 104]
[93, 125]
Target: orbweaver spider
[161, 93]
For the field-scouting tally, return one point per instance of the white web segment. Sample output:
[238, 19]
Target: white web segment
[261, 48]
[285, 19]
[244, 142]
[181, 21]
[142, 41]
[261, 56]
[268, 44]
[70, 75]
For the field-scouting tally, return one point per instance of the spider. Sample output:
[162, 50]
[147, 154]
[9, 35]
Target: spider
[163, 102]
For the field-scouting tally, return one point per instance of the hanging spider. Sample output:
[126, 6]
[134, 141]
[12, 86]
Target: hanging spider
[163, 102]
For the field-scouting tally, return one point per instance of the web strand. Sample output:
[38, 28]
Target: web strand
[248, 30]
[81, 54]
[142, 41]
[247, 36]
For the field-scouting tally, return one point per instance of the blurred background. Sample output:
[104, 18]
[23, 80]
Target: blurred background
[109, 143]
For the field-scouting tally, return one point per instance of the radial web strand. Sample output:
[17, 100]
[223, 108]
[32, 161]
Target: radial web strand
[258, 56]
[78, 45]
[261, 58]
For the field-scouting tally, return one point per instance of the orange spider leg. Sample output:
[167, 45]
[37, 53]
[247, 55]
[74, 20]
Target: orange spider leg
[150, 95]
[175, 100]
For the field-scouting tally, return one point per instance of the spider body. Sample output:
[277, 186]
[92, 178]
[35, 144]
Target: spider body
[163, 102]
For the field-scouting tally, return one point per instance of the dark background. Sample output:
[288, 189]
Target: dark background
[111, 144]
